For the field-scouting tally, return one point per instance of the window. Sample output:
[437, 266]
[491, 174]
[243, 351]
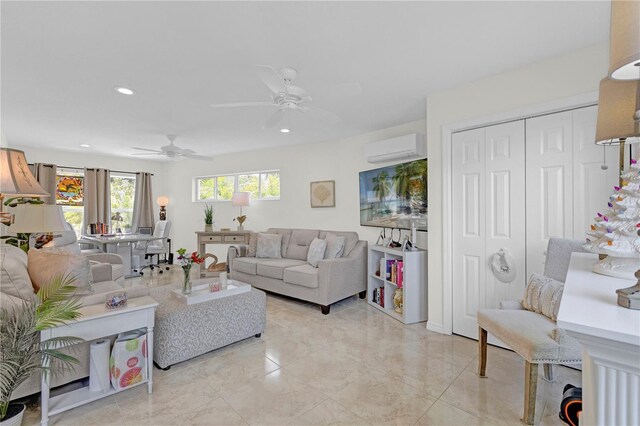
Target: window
[70, 195]
[262, 186]
[123, 191]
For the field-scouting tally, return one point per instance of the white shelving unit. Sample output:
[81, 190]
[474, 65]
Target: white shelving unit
[414, 285]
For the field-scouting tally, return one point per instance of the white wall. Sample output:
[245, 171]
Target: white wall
[561, 77]
[299, 165]
[89, 159]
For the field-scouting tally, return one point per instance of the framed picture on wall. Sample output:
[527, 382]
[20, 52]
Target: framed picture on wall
[323, 193]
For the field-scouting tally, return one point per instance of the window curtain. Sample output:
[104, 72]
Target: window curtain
[97, 197]
[45, 174]
[143, 202]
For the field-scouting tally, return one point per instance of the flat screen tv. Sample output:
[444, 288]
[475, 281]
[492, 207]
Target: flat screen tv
[393, 196]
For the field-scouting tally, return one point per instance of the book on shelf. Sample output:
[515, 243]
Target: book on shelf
[394, 271]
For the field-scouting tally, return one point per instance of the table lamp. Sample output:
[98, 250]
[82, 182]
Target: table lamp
[163, 202]
[241, 199]
[16, 179]
[32, 218]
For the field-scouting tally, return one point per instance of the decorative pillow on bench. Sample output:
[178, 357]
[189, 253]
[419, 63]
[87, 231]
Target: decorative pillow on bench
[269, 246]
[543, 295]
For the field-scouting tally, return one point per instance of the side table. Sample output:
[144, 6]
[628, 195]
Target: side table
[219, 237]
[97, 321]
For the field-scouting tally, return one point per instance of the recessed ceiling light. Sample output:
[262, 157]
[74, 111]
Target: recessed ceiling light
[124, 91]
[284, 130]
[84, 145]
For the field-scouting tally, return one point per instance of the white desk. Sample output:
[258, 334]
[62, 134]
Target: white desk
[98, 321]
[610, 339]
[122, 245]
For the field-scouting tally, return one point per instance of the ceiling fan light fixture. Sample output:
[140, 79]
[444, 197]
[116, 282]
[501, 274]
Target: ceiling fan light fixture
[285, 130]
[124, 91]
[85, 145]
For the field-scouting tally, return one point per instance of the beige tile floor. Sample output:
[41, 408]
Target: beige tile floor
[355, 366]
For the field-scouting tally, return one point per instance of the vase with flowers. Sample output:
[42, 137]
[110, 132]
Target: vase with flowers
[186, 262]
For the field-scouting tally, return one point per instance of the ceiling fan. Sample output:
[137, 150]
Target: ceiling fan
[285, 96]
[172, 151]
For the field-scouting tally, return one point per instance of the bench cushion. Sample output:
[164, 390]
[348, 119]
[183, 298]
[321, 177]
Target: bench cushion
[304, 275]
[275, 268]
[530, 334]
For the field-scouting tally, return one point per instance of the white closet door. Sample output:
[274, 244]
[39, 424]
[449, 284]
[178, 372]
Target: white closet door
[549, 188]
[592, 184]
[469, 259]
[505, 210]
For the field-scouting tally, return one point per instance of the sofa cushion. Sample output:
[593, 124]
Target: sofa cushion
[335, 246]
[316, 252]
[269, 246]
[275, 268]
[350, 239]
[248, 265]
[299, 243]
[44, 265]
[286, 237]
[14, 277]
[304, 275]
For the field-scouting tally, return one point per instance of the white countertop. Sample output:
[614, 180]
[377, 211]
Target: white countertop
[589, 304]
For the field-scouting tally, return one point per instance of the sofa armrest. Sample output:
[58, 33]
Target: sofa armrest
[510, 305]
[110, 258]
[233, 252]
[101, 271]
[343, 277]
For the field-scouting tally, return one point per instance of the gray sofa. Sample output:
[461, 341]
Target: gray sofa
[15, 286]
[332, 281]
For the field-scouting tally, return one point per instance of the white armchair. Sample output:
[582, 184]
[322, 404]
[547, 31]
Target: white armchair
[533, 336]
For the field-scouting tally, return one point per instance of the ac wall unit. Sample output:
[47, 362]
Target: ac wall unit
[404, 147]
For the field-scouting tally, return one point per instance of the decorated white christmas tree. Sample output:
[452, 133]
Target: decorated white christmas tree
[615, 232]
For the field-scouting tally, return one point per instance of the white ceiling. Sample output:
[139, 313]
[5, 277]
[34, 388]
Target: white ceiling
[61, 60]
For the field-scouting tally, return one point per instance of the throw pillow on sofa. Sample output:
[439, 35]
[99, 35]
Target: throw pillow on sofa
[316, 252]
[14, 278]
[44, 265]
[269, 246]
[335, 246]
[543, 295]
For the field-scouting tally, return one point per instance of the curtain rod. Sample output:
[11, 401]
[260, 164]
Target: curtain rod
[88, 168]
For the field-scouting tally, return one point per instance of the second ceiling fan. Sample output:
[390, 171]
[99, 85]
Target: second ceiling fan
[285, 96]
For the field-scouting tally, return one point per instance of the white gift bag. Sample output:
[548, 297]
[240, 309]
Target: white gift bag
[128, 362]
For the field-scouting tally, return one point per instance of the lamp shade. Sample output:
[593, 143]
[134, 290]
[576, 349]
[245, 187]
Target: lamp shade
[241, 199]
[617, 104]
[38, 218]
[625, 40]
[162, 201]
[15, 176]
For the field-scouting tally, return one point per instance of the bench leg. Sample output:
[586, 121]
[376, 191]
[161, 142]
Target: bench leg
[163, 369]
[258, 335]
[325, 309]
[482, 352]
[530, 389]
[363, 294]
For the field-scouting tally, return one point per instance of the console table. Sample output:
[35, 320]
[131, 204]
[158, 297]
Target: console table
[97, 321]
[219, 237]
[610, 339]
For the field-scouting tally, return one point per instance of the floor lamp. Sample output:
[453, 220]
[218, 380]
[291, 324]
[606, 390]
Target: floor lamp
[16, 179]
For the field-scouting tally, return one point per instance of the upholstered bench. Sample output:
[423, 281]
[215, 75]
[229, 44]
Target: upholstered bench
[185, 331]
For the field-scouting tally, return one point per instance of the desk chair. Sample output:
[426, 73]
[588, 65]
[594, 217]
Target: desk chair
[155, 247]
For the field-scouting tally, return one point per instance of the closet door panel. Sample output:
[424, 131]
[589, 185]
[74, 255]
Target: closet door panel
[592, 184]
[549, 184]
[504, 147]
[468, 186]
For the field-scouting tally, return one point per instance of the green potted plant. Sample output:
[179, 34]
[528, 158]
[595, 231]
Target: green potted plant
[208, 218]
[21, 352]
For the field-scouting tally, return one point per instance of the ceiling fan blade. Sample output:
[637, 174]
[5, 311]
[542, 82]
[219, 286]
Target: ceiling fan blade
[296, 90]
[185, 151]
[243, 104]
[148, 153]
[323, 114]
[145, 149]
[274, 119]
[270, 76]
[198, 157]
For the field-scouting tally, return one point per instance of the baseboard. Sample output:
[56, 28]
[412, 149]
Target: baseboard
[435, 327]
